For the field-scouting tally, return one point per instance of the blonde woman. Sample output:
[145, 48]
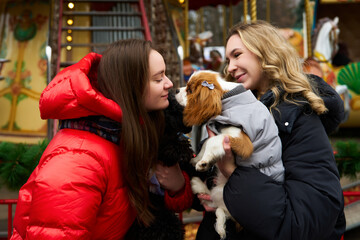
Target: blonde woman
[309, 204]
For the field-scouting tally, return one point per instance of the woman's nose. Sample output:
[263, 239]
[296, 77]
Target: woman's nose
[231, 67]
[169, 83]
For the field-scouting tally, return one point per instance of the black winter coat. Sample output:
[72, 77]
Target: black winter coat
[309, 204]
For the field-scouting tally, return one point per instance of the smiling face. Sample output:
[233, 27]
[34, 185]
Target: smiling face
[243, 65]
[156, 93]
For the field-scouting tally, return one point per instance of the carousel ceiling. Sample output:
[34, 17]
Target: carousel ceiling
[196, 4]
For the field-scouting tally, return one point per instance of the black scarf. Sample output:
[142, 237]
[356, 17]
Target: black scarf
[100, 125]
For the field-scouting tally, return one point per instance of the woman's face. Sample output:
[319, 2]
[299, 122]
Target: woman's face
[156, 94]
[243, 65]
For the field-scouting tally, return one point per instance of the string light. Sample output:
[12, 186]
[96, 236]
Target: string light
[69, 22]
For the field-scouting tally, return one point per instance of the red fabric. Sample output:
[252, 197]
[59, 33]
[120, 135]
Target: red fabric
[196, 4]
[74, 95]
[76, 191]
[183, 199]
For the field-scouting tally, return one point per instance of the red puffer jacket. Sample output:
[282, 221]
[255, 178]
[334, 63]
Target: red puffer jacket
[77, 190]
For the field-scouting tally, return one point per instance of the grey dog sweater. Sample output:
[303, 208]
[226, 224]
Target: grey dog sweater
[241, 109]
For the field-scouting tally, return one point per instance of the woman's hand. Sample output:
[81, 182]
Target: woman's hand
[170, 178]
[227, 164]
[205, 198]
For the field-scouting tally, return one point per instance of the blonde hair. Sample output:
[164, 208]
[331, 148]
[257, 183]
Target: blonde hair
[280, 63]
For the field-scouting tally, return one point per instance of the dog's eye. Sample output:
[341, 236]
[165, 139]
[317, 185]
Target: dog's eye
[188, 91]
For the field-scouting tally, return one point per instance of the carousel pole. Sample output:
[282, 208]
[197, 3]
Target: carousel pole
[253, 10]
[245, 10]
[186, 33]
[197, 24]
[268, 10]
[224, 23]
[200, 21]
[308, 29]
[202, 28]
[230, 14]
[230, 21]
[2, 20]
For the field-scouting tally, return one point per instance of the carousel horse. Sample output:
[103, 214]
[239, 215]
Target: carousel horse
[197, 44]
[325, 46]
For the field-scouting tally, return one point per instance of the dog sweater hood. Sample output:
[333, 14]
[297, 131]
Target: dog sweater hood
[241, 109]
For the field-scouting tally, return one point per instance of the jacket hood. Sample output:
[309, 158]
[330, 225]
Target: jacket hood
[333, 102]
[73, 93]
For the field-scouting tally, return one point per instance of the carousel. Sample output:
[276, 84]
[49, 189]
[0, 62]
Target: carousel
[317, 42]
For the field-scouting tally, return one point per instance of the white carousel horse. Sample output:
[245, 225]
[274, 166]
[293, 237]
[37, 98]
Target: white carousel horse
[325, 47]
[326, 44]
[197, 44]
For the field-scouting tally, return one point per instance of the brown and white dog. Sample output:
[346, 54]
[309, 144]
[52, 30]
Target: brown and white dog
[228, 108]
[202, 101]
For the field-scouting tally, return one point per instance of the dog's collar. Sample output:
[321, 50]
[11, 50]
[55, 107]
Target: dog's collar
[239, 89]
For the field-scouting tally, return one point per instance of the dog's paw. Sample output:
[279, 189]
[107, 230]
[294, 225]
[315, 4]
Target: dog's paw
[220, 223]
[220, 230]
[222, 235]
[198, 186]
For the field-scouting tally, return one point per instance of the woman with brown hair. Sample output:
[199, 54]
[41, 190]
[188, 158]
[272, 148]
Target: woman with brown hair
[93, 179]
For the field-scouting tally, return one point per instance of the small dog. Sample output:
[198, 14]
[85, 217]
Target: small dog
[229, 109]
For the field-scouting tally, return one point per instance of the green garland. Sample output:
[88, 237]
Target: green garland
[17, 161]
[347, 157]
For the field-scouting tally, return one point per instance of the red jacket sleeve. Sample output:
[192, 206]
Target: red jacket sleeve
[183, 199]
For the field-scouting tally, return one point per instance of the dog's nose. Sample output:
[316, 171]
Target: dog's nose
[177, 90]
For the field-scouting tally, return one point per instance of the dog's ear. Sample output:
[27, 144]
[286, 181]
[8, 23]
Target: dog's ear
[203, 103]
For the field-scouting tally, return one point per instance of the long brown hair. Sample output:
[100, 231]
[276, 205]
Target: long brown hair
[123, 76]
[279, 61]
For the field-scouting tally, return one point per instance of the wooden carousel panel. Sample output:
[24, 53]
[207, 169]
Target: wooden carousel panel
[28, 117]
[24, 40]
[5, 106]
